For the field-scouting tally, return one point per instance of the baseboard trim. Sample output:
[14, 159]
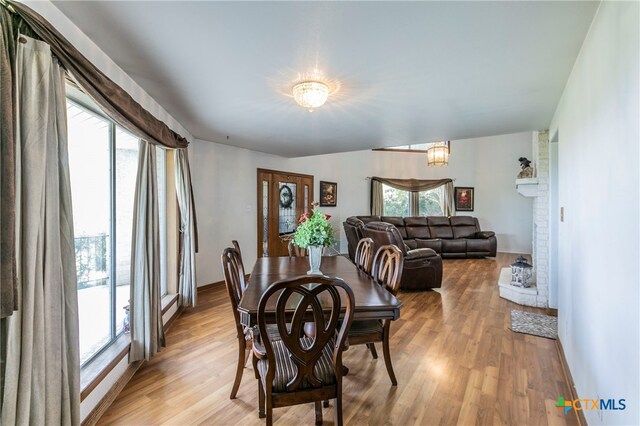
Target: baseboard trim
[582, 421]
[175, 316]
[216, 284]
[113, 393]
[210, 286]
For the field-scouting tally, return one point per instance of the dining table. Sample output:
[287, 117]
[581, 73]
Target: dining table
[372, 301]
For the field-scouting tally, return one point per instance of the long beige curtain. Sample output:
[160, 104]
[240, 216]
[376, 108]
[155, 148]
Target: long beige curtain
[188, 231]
[42, 382]
[377, 198]
[447, 199]
[147, 335]
[8, 283]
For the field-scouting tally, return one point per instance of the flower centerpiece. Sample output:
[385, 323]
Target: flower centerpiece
[314, 232]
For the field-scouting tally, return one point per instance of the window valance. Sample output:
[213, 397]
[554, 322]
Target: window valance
[412, 185]
[114, 101]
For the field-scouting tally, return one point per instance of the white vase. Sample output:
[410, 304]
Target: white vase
[315, 257]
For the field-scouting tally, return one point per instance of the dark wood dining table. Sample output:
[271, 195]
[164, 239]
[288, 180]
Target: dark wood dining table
[372, 301]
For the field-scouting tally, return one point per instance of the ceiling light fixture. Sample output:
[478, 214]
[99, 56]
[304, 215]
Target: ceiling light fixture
[438, 154]
[310, 94]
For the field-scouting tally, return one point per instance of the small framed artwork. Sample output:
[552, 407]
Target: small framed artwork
[464, 198]
[328, 194]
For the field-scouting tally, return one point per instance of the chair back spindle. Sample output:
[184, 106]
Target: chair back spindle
[387, 268]
[234, 278]
[364, 255]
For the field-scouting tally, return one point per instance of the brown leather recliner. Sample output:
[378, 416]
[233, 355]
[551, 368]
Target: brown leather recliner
[422, 267]
[353, 230]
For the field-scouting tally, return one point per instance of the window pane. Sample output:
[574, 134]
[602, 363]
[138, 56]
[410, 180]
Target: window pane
[89, 168]
[126, 174]
[265, 218]
[429, 203]
[162, 210]
[287, 213]
[396, 202]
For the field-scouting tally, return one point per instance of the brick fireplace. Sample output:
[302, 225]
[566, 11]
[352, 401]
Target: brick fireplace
[538, 189]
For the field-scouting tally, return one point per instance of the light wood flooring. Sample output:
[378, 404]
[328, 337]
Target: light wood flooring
[455, 359]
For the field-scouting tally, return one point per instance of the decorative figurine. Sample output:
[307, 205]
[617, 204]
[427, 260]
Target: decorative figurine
[527, 170]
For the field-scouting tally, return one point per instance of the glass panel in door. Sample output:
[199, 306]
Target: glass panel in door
[287, 212]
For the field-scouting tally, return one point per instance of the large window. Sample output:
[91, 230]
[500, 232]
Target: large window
[103, 162]
[396, 202]
[401, 203]
[430, 202]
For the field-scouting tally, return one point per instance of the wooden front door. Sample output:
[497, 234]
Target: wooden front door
[282, 198]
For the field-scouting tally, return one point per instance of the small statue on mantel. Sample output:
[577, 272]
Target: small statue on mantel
[527, 170]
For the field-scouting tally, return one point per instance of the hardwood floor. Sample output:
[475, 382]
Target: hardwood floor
[455, 359]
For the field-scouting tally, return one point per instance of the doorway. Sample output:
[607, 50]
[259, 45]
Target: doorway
[282, 198]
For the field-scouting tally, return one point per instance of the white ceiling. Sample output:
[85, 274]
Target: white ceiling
[403, 72]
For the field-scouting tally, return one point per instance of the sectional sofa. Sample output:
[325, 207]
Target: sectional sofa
[451, 237]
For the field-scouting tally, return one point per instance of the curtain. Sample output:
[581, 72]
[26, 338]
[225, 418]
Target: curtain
[411, 185]
[8, 283]
[113, 100]
[42, 383]
[447, 202]
[188, 230]
[377, 198]
[415, 203]
[147, 333]
[414, 186]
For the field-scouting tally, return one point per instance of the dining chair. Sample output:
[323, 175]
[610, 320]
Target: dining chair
[234, 279]
[386, 271]
[295, 250]
[236, 245]
[364, 254]
[298, 369]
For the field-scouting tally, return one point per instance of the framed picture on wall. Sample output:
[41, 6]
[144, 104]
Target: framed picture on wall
[464, 198]
[328, 194]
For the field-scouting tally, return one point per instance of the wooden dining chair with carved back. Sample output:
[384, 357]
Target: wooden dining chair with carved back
[363, 257]
[386, 271]
[295, 250]
[236, 245]
[234, 279]
[298, 369]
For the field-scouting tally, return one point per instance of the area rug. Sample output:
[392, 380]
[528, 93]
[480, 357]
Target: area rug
[535, 324]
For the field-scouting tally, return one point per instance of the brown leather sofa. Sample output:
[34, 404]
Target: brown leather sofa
[451, 237]
[422, 268]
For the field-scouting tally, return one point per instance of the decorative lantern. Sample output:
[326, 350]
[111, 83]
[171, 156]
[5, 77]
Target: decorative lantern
[438, 153]
[521, 273]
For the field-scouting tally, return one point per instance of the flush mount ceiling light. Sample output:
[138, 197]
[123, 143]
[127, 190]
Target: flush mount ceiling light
[310, 94]
[438, 154]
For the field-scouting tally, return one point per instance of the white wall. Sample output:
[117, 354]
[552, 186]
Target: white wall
[489, 164]
[224, 180]
[598, 137]
[224, 188]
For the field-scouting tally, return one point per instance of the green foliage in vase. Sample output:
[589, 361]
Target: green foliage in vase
[314, 230]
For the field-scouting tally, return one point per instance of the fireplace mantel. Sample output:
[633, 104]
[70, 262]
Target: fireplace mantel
[527, 187]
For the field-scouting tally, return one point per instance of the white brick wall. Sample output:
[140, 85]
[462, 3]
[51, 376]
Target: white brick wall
[541, 217]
